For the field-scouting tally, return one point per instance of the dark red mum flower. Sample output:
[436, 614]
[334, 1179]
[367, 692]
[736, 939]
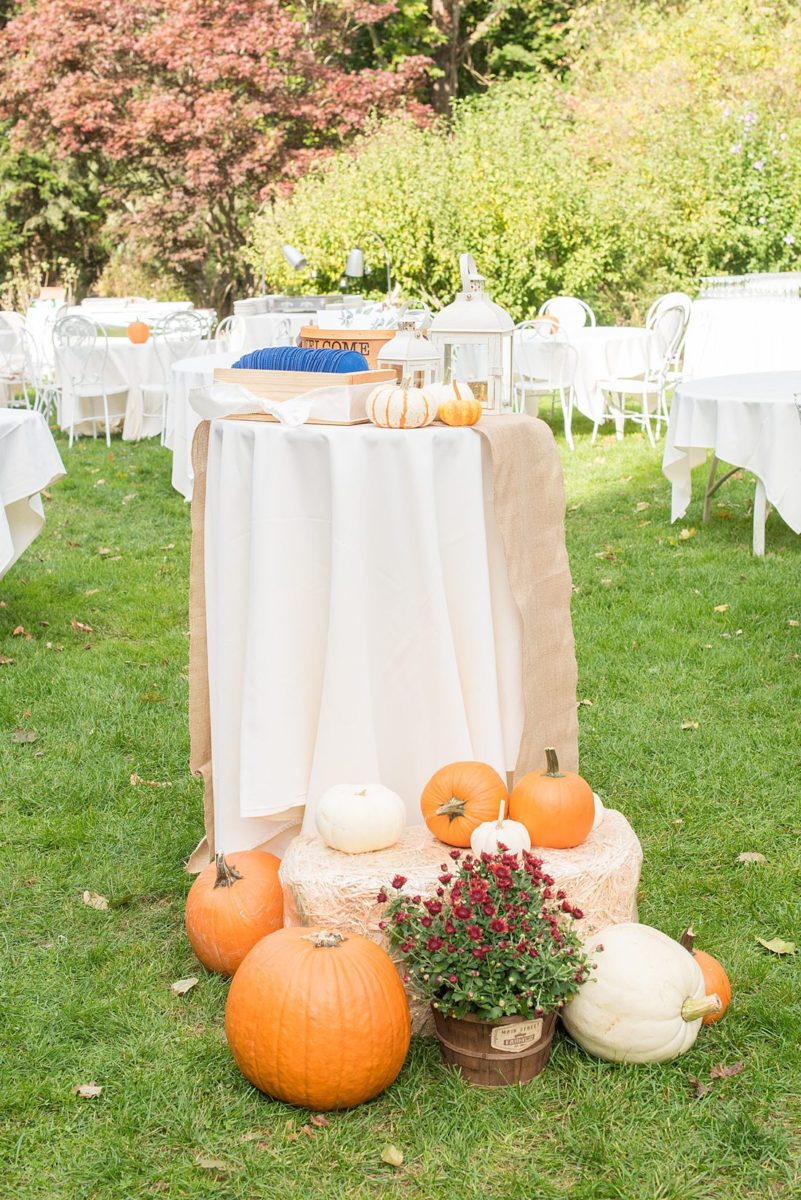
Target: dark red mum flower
[474, 933]
[434, 943]
[382, 897]
[398, 881]
[462, 912]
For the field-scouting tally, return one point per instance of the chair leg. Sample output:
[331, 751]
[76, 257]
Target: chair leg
[619, 417]
[646, 419]
[760, 517]
[567, 415]
[107, 420]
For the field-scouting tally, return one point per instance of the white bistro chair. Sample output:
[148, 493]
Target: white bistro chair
[569, 311]
[86, 376]
[648, 390]
[672, 300]
[545, 365]
[19, 367]
[178, 336]
[230, 334]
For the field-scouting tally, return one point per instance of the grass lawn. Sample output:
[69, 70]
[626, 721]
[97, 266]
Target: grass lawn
[85, 994]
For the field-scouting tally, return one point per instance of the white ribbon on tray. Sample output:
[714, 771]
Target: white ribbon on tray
[332, 404]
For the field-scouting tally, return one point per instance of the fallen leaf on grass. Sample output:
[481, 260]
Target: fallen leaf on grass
[321, 1121]
[721, 1071]
[206, 1163]
[584, 704]
[392, 1155]
[99, 482]
[689, 725]
[607, 553]
[723, 514]
[794, 624]
[23, 736]
[87, 1091]
[18, 632]
[115, 558]
[721, 608]
[95, 900]
[182, 986]
[169, 546]
[255, 1135]
[92, 592]
[47, 495]
[104, 550]
[307, 1131]
[698, 1088]
[129, 497]
[641, 506]
[686, 534]
[777, 945]
[605, 582]
[81, 626]
[5, 661]
[137, 781]
[751, 856]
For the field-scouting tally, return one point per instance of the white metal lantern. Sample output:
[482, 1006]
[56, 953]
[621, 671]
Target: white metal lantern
[411, 355]
[474, 337]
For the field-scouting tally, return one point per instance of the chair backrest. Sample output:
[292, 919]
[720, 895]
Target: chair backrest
[669, 300]
[11, 346]
[229, 336]
[669, 325]
[178, 336]
[571, 312]
[543, 355]
[81, 350]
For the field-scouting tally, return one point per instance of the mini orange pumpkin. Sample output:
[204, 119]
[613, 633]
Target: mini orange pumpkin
[456, 404]
[318, 1019]
[556, 807]
[459, 798]
[232, 904]
[138, 332]
[716, 981]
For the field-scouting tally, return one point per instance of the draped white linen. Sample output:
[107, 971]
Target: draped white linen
[737, 336]
[29, 462]
[359, 617]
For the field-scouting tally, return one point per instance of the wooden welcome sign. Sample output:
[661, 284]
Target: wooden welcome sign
[364, 341]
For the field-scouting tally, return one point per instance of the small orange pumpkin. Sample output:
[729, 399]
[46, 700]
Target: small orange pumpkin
[138, 332]
[456, 404]
[716, 981]
[318, 1019]
[459, 798]
[556, 807]
[232, 904]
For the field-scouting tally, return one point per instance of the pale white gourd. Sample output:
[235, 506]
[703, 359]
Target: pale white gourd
[644, 1001]
[487, 837]
[599, 810]
[394, 406]
[358, 818]
[444, 393]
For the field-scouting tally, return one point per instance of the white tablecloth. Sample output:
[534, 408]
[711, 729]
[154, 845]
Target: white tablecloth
[29, 462]
[749, 421]
[271, 329]
[359, 616]
[741, 336]
[118, 314]
[128, 367]
[182, 420]
[603, 350]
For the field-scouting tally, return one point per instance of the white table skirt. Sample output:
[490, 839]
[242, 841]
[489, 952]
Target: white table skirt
[182, 420]
[742, 336]
[29, 462]
[359, 616]
[128, 367]
[605, 350]
[749, 421]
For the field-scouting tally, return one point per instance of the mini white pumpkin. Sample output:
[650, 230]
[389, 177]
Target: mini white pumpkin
[599, 810]
[486, 838]
[643, 1002]
[358, 818]
[394, 406]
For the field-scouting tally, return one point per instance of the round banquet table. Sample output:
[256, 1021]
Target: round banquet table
[128, 367]
[182, 420]
[359, 619]
[735, 336]
[605, 350]
[749, 421]
[29, 462]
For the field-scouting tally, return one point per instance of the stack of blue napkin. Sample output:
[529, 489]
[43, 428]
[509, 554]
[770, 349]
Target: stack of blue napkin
[302, 358]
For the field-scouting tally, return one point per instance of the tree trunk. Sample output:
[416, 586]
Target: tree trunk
[445, 16]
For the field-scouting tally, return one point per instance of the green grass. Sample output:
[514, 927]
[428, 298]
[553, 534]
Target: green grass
[85, 994]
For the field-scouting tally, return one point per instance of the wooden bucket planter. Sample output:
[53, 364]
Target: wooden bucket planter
[364, 341]
[495, 1053]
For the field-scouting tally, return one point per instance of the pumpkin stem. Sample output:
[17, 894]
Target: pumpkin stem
[325, 939]
[687, 939]
[363, 792]
[552, 763]
[226, 874]
[501, 813]
[704, 1006]
[451, 809]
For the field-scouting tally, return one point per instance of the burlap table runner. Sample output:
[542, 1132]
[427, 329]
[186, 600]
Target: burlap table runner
[529, 499]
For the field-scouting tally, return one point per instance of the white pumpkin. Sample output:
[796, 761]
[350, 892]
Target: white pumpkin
[357, 818]
[444, 393]
[397, 407]
[486, 838]
[599, 810]
[645, 1000]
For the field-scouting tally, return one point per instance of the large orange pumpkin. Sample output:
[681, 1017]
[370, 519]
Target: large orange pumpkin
[232, 904]
[556, 807]
[459, 798]
[318, 1019]
[138, 332]
[716, 981]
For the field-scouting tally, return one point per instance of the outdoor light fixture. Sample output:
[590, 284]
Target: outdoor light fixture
[355, 266]
[295, 258]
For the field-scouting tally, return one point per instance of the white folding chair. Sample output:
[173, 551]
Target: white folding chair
[230, 334]
[82, 366]
[672, 300]
[177, 337]
[544, 365]
[569, 311]
[649, 388]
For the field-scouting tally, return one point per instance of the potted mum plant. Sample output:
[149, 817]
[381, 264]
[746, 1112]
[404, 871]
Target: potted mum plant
[496, 953]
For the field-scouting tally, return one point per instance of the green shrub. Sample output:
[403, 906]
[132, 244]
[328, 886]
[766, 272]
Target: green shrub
[673, 150]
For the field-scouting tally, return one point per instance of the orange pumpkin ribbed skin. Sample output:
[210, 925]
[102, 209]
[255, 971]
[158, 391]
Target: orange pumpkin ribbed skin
[138, 332]
[556, 807]
[716, 982]
[469, 792]
[320, 1026]
[224, 922]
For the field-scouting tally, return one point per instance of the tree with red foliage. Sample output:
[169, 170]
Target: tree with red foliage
[193, 111]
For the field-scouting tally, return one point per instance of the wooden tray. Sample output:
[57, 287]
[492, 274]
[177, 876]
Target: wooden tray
[285, 385]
